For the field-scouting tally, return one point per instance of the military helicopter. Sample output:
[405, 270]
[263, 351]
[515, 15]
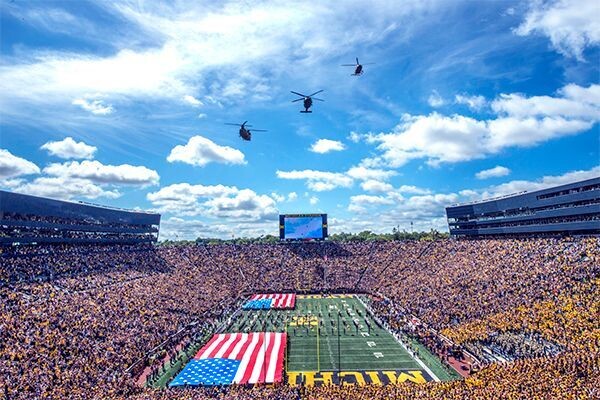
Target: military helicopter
[358, 70]
[307, 100]
[244, 132]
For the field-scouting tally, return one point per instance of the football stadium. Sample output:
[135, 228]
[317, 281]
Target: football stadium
[277, 200]
[92, 307]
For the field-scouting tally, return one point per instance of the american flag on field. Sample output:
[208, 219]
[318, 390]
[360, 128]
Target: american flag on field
[242, 358]
[266, 301]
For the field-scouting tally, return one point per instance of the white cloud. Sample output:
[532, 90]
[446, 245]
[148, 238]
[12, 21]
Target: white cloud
[361, 202]
[571, 25]
[202, 116]
[376, 186]
[72, 179]
[12, 166]
[97, 172]
[495, 172]
[393, 196]
[313, 200]
[427, 211]
[214, 201]
[69, 148]
[292, 196]
[435, 100]
[575, 102]
[191, 100]
[521, 122]
[507, 132]
[65, 188]
[190, 229]
[542, 183]
[437, 137]
[319, 181]
[277, 197]
[323, 146]
[96, 107]
[412, 189]
[475, 103]
[364, 173]
[200, 151]
[184, 45]
[355, 137]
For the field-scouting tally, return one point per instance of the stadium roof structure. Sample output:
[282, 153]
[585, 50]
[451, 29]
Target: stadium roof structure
[572, 208]
[33, 219]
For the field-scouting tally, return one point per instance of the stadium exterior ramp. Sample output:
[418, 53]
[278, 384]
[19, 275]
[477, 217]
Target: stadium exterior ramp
[29, 219]
[571, 209]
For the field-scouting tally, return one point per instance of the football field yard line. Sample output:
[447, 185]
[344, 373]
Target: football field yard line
[331, 334]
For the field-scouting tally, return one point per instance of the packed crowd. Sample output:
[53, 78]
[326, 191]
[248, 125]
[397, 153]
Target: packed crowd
[75, 319]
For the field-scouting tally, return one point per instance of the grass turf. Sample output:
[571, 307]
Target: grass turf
[329, 333]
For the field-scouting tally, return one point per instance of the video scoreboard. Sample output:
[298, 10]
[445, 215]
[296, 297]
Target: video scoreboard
[302, 226]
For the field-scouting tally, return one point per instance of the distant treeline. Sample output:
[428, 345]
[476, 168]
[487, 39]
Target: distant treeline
[364, 236]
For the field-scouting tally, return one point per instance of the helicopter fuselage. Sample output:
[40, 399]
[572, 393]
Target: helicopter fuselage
[358, 70]
[307, 104]
[245, 134]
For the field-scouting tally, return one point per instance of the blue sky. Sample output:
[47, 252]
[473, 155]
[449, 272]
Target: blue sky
[124, 103]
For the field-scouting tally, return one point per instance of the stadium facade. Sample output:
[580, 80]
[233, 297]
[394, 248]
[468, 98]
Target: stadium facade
[571, 209]
[28, 219]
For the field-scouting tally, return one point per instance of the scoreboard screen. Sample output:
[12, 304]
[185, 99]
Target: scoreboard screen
[302, 226]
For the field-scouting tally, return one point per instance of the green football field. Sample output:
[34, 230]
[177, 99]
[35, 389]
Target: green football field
[333, 333]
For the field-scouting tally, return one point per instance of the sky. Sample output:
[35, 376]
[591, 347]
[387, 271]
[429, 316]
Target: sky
[124, 103]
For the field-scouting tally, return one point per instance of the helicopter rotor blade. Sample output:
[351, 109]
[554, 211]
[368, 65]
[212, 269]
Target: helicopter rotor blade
[259, 130]
[368, 63]
[299, 94]
[314, 98]
[311, 95]
[348, 65]
[230, 123]
[293, 101]
[357, 63]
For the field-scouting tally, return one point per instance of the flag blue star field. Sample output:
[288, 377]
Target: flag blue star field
[242, 358]
[267, 301]
[207, 372]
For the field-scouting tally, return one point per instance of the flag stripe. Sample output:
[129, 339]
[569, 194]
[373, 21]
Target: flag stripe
[248, 358]
[267, 359]
[223, 348]
[273, 356]
[242, 349]
[236, 346]
[210, 352]
[260, 355]
[260, 360]
[279, 361]
[209, 345]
